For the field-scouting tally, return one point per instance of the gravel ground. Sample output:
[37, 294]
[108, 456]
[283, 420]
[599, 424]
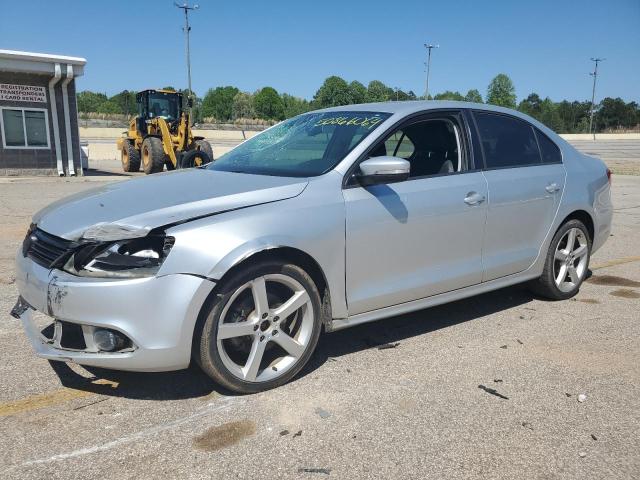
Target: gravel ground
[486, 387]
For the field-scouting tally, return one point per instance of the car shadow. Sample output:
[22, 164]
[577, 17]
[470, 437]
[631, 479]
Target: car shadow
[390, 331]
[193, 383]
[179, 385]
[390, 200]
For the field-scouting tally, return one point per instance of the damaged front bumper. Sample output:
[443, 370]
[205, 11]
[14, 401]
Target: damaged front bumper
[157, 315]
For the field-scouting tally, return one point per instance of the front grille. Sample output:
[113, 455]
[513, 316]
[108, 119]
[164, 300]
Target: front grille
[46, 249]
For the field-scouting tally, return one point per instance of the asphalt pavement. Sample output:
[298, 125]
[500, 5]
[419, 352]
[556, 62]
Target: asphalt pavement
[487, 387]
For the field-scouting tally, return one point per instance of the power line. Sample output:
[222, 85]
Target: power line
[594, 74]
[429, 47]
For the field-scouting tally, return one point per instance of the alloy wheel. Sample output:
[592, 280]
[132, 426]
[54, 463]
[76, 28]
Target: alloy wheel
[265, 328]
[570, 260]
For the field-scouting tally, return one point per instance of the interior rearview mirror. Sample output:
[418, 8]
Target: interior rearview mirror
[387, 169]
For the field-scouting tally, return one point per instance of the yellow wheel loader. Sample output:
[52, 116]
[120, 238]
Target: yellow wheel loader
[161, 135]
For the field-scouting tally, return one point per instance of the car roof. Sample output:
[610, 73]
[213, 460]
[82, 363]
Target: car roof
[409, 107]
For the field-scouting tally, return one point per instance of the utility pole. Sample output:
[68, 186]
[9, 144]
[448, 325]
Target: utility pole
[126, 104]
[594, 74]
[185, 6]
[429, 47]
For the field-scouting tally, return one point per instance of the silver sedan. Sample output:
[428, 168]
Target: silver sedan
[330, 219]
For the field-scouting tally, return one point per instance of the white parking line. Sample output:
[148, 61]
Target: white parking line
[218, 406]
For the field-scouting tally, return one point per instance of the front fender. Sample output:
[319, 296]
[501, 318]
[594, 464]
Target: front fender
[314, 225]
[246, 250]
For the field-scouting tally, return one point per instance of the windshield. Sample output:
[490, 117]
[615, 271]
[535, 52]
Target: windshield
[164, 105]
[303, 146]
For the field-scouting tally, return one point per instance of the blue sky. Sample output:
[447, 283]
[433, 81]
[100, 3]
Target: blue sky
[543, 45]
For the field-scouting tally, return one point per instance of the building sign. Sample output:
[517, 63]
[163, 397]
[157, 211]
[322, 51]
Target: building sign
[22, 93]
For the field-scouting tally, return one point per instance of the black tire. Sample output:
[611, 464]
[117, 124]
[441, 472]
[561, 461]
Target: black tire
[545, 285]
[205, 147]
[153, 156]
[130, 157]
[205, 345]
[194, 158]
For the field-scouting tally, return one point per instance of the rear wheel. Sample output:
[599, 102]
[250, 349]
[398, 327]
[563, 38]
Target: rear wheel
[153, 156]
[130, 157]
[567, 262]
[205, 147]
[261, 328]
[194, 158]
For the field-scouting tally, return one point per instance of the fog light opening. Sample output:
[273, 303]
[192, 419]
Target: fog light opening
[110, 340]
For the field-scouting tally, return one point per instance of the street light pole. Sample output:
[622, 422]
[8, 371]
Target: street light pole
[429, 47]
[594, 74]
[185, 6]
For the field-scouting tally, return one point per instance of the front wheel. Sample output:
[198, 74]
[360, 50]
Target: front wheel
[261, 329]
[153, 156]
[567, 262]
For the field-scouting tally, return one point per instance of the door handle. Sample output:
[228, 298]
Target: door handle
[474, 198]
[552, 187]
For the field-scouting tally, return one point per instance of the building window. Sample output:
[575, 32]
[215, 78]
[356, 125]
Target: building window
[24, 128]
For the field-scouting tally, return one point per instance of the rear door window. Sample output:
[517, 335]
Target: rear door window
[506, 141]
[548, 149]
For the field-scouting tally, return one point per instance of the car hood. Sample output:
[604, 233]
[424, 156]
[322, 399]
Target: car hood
[163, 199]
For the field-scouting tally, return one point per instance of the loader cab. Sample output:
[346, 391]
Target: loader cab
[158, 103]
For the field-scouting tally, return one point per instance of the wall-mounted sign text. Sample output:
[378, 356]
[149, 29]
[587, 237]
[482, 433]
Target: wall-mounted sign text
[22, 93]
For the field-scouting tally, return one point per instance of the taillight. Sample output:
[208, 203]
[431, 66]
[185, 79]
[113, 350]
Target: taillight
[609, 175]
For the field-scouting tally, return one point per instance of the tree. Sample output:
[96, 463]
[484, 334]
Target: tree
[379, 92]
[90, 101]
[169, 88]
[449, 95]
[242, 106]
[473, 96]
[333, 92]
[126, 101]
[268, 104]
[196, 110]
[358, 92]
[218, 103]
[574, 116]
[501, 92]
[549, 115]
[294, 106]
[109, 107]
[403, 96]
[411, 95]
[532, 105]
[615, 113]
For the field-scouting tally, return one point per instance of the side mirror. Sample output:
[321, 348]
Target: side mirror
[378, 170]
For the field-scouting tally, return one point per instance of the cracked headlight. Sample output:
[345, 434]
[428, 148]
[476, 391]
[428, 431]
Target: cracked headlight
[132, 258]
